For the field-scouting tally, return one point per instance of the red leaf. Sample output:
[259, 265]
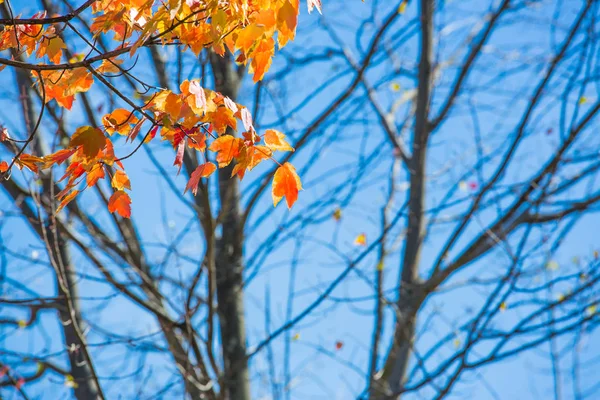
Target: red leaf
[121, 203]
[179, 155]
[203, 171]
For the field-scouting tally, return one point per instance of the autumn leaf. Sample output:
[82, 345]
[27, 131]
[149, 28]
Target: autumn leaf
[66, 200]
[118, 121]
[199, 95]
[249, 157]
[92, 140]
[361, 240]
[202, 171]
[52, 47]
[57, 158]
[29, 161]
[179, 155]
[3, 166]
[275, 140]
[227, 147]
[95, 174]
[110, 65]
[120, 202]
[339, 344]
[286, 182]
[120, 181]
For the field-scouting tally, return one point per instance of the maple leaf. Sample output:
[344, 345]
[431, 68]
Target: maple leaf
[179, 156]
[202, 171]
[120, 181]
[246, 119]
[275, 140]
[230, 104]
[197, 141]
[54, 49]
[57, 158]
[136, 130]
[287, 19]
[91, 140]
[199, 95]
[286, 182]
[67, 200]
[95, 174]
[29, 161]
[110, 66]
[120, 202]
[118, 121]
[227, 148]
[249, 158]
[262, 58]
[3, 166]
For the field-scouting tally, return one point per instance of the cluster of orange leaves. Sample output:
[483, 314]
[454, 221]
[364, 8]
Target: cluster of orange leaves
[249, 29]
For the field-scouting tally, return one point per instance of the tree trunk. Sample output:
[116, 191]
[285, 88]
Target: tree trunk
[228, 259]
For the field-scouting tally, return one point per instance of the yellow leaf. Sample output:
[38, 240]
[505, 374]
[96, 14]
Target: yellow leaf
[296, 337]
[402, 7]
[582, 100]
[395, 87]
[503, 306]
[120, 181]
[380, 266]
[361, 240]
[275, 140]
[22, 324]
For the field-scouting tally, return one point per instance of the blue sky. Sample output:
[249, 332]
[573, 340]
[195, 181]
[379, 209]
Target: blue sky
[350, 148]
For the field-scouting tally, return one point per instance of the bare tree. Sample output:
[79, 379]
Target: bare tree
[450, 166]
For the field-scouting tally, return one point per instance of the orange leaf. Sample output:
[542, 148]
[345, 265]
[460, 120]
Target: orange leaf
[286, 182]
[91, 139]
[361, 240]
[120, 181]
[29, 161]
[276, 141]
[203, 171]
[3, 166]
[227, 148]
[57, 158]
[339, 344]
[118, 121]
[67, 200]
[121, 203]
[95, 174]
[249, 158]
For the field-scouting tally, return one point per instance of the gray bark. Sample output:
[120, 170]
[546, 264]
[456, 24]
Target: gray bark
[228, 258]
